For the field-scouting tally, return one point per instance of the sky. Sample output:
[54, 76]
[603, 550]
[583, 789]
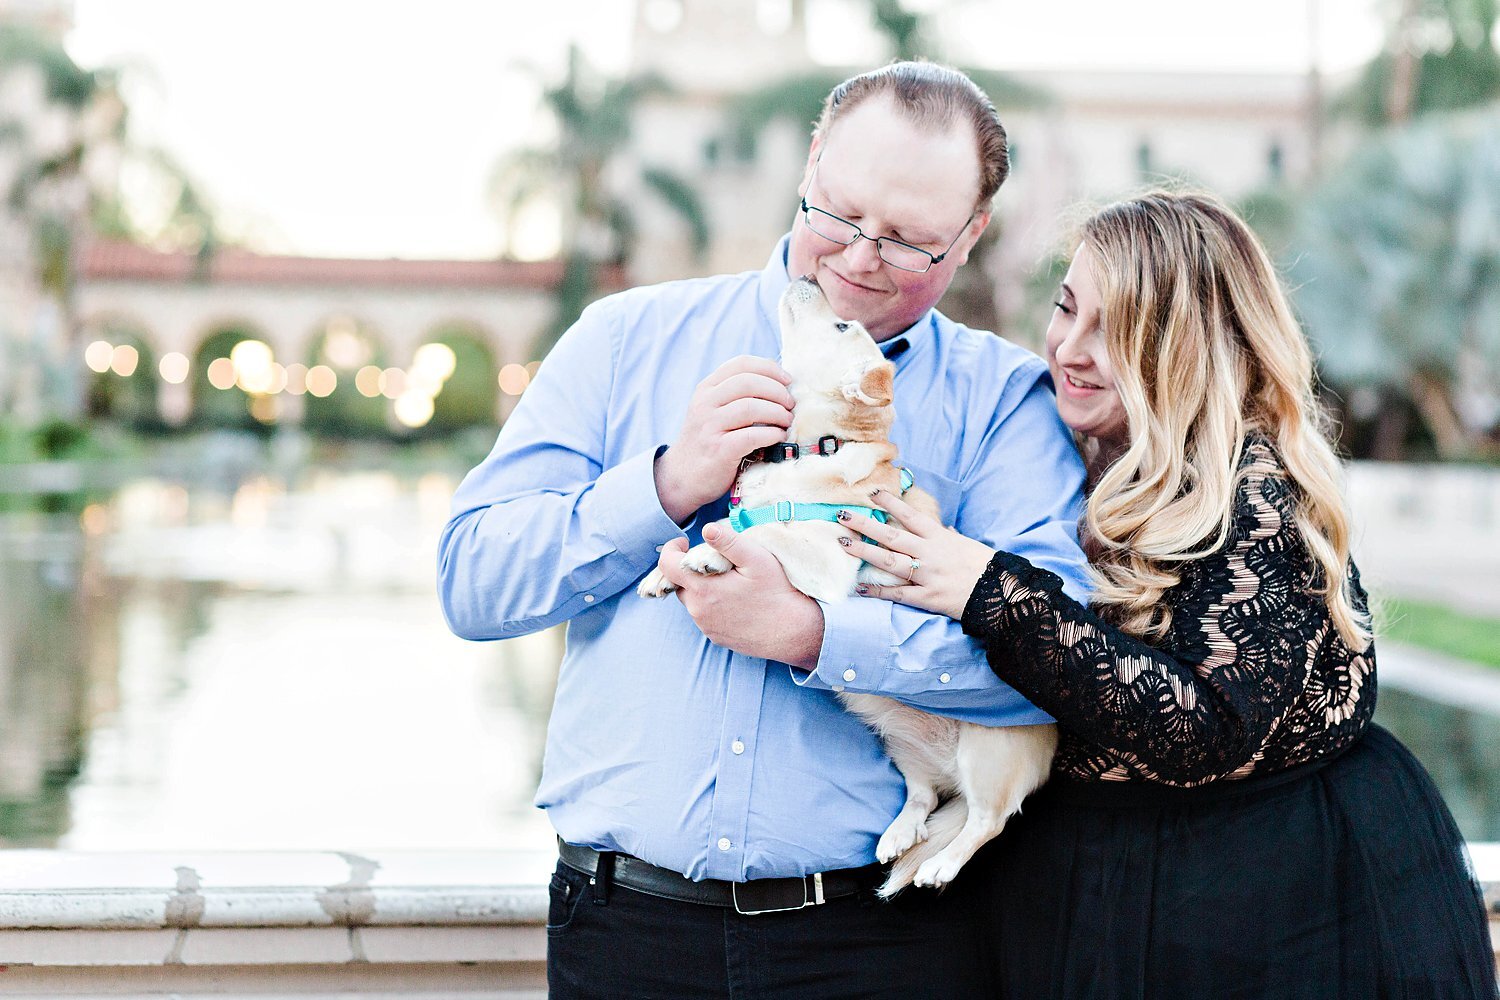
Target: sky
[342, 128]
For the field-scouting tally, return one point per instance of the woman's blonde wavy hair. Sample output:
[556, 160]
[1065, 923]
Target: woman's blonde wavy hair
[1205, 349]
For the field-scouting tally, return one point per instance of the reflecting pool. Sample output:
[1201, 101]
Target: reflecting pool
[260, 663]
[257, 669]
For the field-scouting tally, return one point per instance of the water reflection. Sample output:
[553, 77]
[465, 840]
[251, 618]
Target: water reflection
[1459, 747]
[257, 669]
[251, 666]
[44, 680]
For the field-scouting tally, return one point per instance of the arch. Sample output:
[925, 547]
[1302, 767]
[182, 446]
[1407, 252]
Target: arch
[225, 404]
[122, 383]
[470, 395]
[345, 345]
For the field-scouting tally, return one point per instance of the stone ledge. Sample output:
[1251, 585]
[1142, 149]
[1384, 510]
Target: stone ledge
[61, 890]
[439, 911]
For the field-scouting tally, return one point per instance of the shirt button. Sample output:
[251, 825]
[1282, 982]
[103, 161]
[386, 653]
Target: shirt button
[849, 674]
[588, 598]
[724, 844]
[944, 678]
[737, 746]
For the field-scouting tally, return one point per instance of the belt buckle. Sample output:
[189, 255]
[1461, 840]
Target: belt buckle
[815, 900]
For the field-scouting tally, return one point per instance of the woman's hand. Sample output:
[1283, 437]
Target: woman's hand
[940, 565]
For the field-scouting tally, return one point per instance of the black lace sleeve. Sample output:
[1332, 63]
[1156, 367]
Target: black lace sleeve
[1246, 637]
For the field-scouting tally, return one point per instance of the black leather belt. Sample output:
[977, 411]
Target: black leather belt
[762, 895]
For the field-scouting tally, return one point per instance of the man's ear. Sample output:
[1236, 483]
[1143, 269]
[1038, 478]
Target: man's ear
[971, 236]
[872, 385]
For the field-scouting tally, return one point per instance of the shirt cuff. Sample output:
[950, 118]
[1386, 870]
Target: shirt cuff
[632, 513]
[858, 647]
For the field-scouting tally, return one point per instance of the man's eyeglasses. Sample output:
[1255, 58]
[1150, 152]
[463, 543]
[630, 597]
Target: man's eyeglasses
[892, 251]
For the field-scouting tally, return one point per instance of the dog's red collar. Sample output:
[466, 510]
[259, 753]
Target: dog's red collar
[788, 451]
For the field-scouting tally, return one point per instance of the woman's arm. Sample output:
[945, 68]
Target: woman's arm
[1243, 628]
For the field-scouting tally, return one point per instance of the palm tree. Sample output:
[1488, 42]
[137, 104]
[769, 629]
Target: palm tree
[905, 30]
[49, 193]
[1397, 270]
[593, 116]
[59, 196]
[1439, 56]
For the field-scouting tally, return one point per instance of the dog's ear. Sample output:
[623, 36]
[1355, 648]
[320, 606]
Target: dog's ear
[871, 385]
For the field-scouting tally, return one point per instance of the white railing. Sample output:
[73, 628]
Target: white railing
[415, 925]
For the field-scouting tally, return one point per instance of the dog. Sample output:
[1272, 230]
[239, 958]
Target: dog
[839, 452]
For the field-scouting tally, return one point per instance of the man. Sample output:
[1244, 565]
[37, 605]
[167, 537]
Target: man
[718, 810]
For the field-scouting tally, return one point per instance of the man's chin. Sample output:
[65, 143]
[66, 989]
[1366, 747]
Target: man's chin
[852, 302]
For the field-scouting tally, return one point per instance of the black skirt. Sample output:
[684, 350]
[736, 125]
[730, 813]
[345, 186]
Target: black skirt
[1342, 879]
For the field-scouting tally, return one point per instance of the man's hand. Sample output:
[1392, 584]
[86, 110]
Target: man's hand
[742, 406]
[751, 609]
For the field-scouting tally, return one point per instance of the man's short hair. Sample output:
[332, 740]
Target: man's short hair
[933, 96]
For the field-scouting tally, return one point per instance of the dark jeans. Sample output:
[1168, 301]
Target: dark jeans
[636, 946]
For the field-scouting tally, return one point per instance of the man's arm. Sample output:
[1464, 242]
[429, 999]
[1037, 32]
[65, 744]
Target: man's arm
[540, 530]
[543, 528]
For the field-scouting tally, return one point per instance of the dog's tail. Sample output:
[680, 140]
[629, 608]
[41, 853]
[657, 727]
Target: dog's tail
[943, 827]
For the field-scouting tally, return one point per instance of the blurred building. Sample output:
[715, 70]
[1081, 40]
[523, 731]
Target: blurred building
[1094, 135]
[1097, 135]
[155, 323]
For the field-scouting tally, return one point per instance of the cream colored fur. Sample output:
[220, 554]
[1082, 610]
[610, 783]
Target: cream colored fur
[842, 385]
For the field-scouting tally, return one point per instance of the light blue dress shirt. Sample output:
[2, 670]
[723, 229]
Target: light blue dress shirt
[661, 744]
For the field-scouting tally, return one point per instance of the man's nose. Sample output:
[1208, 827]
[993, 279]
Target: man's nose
[863, 254]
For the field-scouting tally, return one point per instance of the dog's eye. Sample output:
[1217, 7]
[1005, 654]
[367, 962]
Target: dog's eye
[841, 327]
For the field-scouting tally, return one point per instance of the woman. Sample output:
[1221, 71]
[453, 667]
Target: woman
[1222, 820]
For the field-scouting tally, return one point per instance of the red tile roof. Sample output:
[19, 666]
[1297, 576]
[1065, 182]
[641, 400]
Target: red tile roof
[118, 260]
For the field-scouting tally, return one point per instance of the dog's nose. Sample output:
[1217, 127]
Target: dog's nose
[803, 290]
[810, 279]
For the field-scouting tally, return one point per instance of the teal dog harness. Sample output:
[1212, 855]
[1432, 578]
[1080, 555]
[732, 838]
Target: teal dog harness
[783, 511]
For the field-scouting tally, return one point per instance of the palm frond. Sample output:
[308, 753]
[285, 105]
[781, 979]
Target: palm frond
[798, 99]
[684, 200]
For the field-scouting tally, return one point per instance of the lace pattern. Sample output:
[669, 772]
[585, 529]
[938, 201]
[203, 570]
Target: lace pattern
[1250, 678]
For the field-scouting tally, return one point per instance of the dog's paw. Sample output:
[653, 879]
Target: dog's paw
[705, 559]
[939, 870]
[900, 837]
[656, 584]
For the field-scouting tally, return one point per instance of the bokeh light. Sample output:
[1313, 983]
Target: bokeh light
[123, 360]
[414, 409]
[221, 373]
[98, 355]
[95, 519]
[174, 367]
[514, 379]
[392, 383]
[367, 381]
[252, 364]
[265, 408]
[321, 381]
[343, 347]
[433, 360]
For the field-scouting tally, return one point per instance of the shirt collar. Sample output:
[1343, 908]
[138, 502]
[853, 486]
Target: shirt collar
[774, 281]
